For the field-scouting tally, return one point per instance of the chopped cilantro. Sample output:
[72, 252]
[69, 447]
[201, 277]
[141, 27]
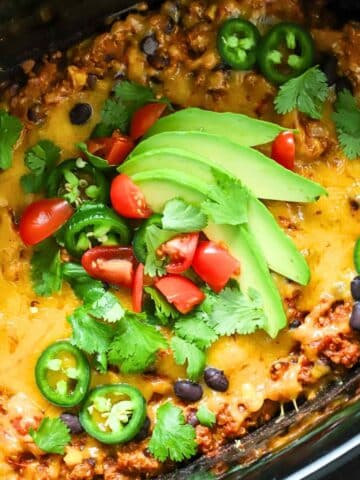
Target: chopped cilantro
[227, 201]
[135, 344]
[347, 122]
[40, 160]
[164, 311]
[89, 334]
[10, 129]
[154, 237]
[194, 329]
[52, 436]
[118, 110]
[46, 271]
[234, 312]
[172, 438]
[180, 216]
[206, 417]
[185, 352]
[307, 93]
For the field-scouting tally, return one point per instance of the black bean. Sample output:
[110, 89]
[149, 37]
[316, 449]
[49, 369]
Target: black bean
[34, 114]
[343, 83]
[216, 379]
[80, 113]
[149, 45]
[355, 288]
[294, 324]
[192, 419]
[91, 80]
[73, 422]
[355, 317]
[329, 66]
[144, 431]
[188, 391]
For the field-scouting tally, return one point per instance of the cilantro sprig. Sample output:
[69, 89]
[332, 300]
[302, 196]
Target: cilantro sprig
[40, 160]
[52, 436]
[306, 93]
[135, 344]
[10, 129]
[180, 216]
[227, 201]
[163, 310]
[185, 352]
[46, 268]
[206, 417]
[154, 237]
[172, 438]
[347, 122]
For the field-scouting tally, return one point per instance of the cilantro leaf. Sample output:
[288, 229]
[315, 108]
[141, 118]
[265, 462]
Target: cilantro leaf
[98, 302]
[164, 311]
[206, 417]
[189, 353]
[52, 436]
[306, 92]
[115, 115]
[180, 216]
[227, 201]
[135, 344]
[10, 129]
[46, 271]
[194, 329]
[172, 437]
[235, 312]
[89, 334]
[347, 122]
[134, 93]
[39, 159]
[154, 237]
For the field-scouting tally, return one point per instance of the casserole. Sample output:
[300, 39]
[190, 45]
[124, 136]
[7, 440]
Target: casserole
[15, 101]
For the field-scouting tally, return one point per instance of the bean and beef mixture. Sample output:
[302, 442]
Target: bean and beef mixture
[179, 222]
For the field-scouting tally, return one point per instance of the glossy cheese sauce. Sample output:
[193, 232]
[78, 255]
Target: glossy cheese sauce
[325, 232]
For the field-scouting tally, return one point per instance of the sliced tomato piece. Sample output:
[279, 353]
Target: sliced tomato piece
[114, 149]
[180, 291]
[138, 286]
[283, 150]
[43, 218]
[110, 264]
[127, 199]
[214, 264]
[144, 118]
[180, 251]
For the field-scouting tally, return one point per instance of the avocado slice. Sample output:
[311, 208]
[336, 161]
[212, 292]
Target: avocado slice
[239, 128]
[278, 249]
[159, 186]
[265, 177]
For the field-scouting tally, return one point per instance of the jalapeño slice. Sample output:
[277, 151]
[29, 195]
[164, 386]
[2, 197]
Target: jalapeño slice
[237, 42]
[77, 181]
[94, 224]
[285, 52]
[62, 374]
[113, 413]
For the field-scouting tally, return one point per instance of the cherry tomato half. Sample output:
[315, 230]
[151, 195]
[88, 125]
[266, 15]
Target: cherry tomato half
[180, 291]
[283, 150]
[127, 199]
[138, 286]
[43, 218]
[114, 149]
[180, 251]
[110, 264]
[214, 264]
[144, 118]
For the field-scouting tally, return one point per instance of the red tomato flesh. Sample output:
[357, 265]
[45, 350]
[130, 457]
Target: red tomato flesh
[110, 264]
[127, 199]
[180, 250]
[214, 264]
[144, 118]
[43, 218]
[114, 149]
[283, 150]
[180, 291]
[138, 286]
